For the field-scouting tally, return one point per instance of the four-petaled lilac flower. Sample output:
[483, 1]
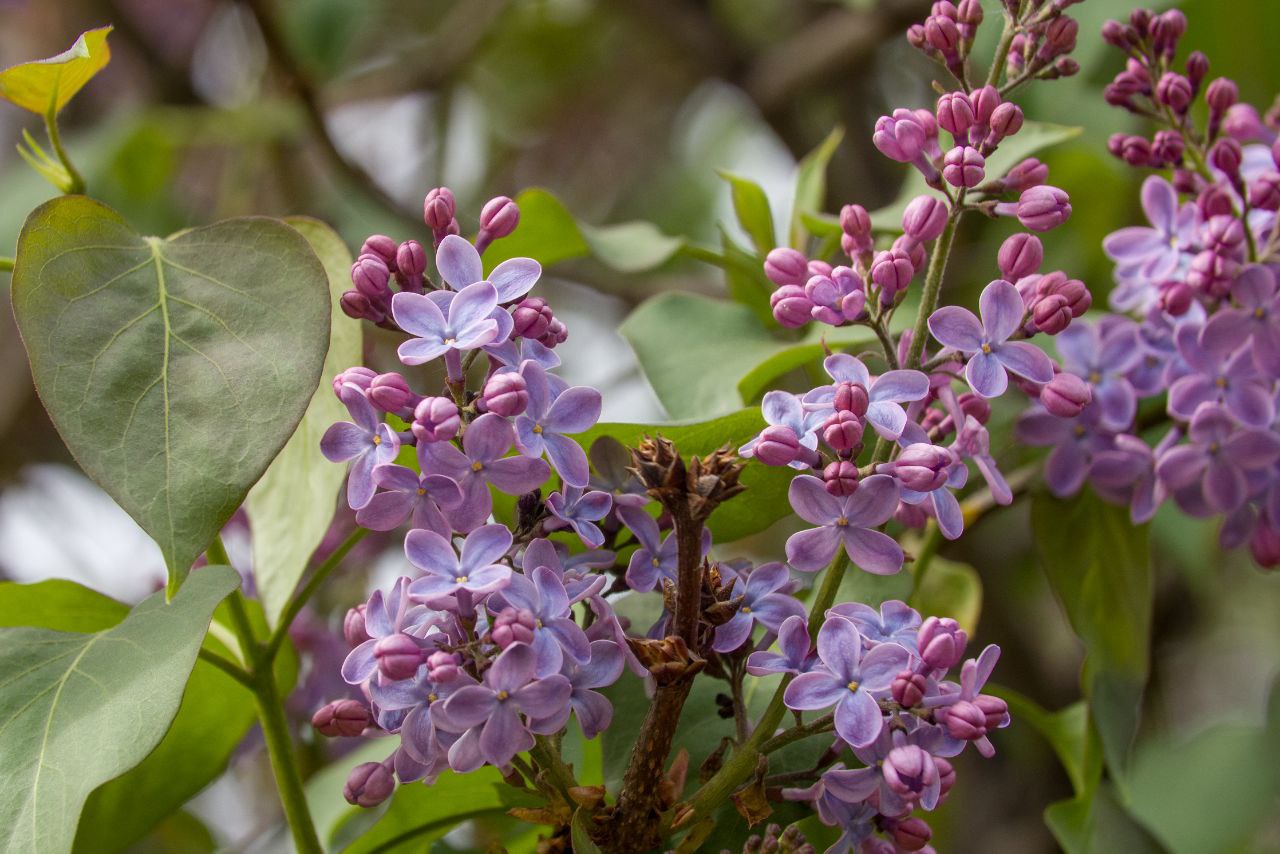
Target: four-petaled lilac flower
[1234, 382]
[384, 616]
[1075, 442]
[1153, 253]
[1126, 474]
[895, 622]
[796, 654]
[494, 707]
[555, 634]
[847, 679]
[1257, 319]
[761, 601]
[459, 265]
[477, 571]
[482, 462]
[418, 696]
[410, 495]
[656, 558]
[467, 325]
[1102, 355]
[885, 393]
[579, 582]
[553, 412]
[367, 443]
[1218, 457]
[580, 511]
[991, 353]
[784, 409]
[849, 522]
[594, 711]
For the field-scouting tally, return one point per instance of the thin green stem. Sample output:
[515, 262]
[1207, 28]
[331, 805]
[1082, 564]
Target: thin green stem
[558, 773]
[6, 264]
[1002, 51]
[304, 594]
[76, 184]
[275, 732]
[230, 668]
[933, 284]
[797, 733]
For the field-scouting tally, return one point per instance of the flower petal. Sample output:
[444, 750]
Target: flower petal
[873, 551]
[858, 718]
[986, 376]
[811, 550]
[811, 501]
[458, 262]
[1002, 310]
[957, 328]
[515, 277]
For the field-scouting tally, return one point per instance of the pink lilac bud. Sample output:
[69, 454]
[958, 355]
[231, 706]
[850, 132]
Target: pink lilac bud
[924, 218]
[955, 114]
[557, 333]
[1166, 29]
[381, 247]
[908, 770]
[964, 167]
[1136, 151]
[1226, 155]
[984, 100]
[369, 784]
[965, 721]
[943, 35]
[969, 13]
[1211, 274]
[390, 392]
[1264, 545]
[1225, 235]
[786, 266]
[342, 718]
[1174, 91]
[353, 627]
[914, 251]
[1043, 208]
[506, 394]
[1006, 121]
[1243, 123]
[371, 275]
[498, 218]
[398, 655]
[1197, 68]
[1213, 201]
[1264, 192]
[995, 709]
[946, 777]
[1051, 314]
[1066, 395]
[842, 432]
[911, 833]
[792, 308]
[820, 268]
[1167, 147]
[513, 625]
[436, 419]
[979, 408]
[531, 318]
[1176, 297]
[840, 478]
[855, 222]
[439, 208]
[357, 306]
[1020, 255]
[1222, 95]
[443, 667]
[941, 642]
[908, 689]
[777, 445]
[1059, 37]
[411, 264]
[358, 376]
[850, 397]
[1077, 295]
[1140, 20]
[1026, 174]
[1116, 34]
[1186, 182]
[921, 467]
[892, 271]
[899, 137]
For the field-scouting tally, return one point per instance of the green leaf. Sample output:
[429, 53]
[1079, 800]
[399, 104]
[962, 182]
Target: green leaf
[951, 589]
[46, 85]
[735, 355]
[579, 835]
[175, 369]
[63, 606]
[811, 184]
[745, 279]
[1033, 137]
[291, 507]
[1068, 733]
[549, 234]
[1099, 567]
[752, 207]
[80, 709]
[1098, 824]
[765, 500]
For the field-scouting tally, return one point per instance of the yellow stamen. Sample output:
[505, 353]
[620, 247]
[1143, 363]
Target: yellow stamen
[842, 522]
[502, 695]
[377, 440]
[852, 686]
[477, 465]
[537, 428]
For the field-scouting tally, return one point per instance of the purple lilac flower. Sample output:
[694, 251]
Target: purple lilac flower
[973, 677]
[848, 679]
[467, 325]
[895, 622]
[494, 707]
[367, 443]
[579, 582]
[417, 696]
[939, 502]
[460, 265]
[481, 462]
[973, 442]
[1257, 319]
[476, 571]
[1103, 354]
[882, 776]
[1126, 474]
[593, 709]
[991, 354]
[1075, 442]
[783, 409]
[796, 654]
[1155, 252]
[385, 615]
[555, 634]
[554, 411]
[656, 558]
[761, 602]
[849, 521]
[1235, 382]
[409, 495]
[885, 393]
[580, 511]
[1218, 457]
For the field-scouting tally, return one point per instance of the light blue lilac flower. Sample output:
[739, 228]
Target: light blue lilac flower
[795, 651]
[761, 603]
[1154, 252]
[365, 440]
[460, 265]
[555, 634]
[410, 496]
[580, 511]
[895, 622]
[593, 709]
[553, 412]
[848, 521]
[477, 570]
[465, 324]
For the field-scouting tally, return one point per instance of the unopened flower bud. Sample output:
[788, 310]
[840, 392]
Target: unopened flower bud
[924, 218]
[995, 709]
[341, 718]
[1176, 297]
[443, 667]
[1211, 274]
[398, 655]
[1222, 95]
[955, 114]
[1264, 545]
[1051, 314]
[1020, 255]
[531, 318]
[1059, 37]
[371, 275]
[513, 625]
[975, 407]
[506, 393]
[1225, 235]
[840, 478]
[908, 689]
[1077, 295]
[1167, 147]
[946, 777]
[1043, 208]
[777, 445]
[842, 432]
[382, 247]
[941, 642]
[851, 397]
[439, 209]
[356, 305]
[1226, 155]
[791, 307]
[1242, 123]
[786, 266]
[899, 137]
[911, 834]
[985, 100]
[1213, 201]
[369, 784]
[943, 35]
[499, 217]
[965, 721]
[1197, 68]
[557, 333]
[892, 271]
[910, 516]
[1174, 91]
[964, 167]
[1066, 395]
[908, 770]
[1136, 151]
[357, 376]
[390, 392]
[436, 419]
[1006, 121]
[1264, 192]
[1026, 174]
[353, 627]
[922, 467]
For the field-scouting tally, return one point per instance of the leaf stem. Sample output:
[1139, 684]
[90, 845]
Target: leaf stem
[6, 264]
[230, 668]
[76, 184]
[548, 759]
[304, 594]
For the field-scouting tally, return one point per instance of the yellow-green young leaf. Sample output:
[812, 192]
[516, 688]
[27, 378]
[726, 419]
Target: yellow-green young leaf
[291, 507]
[80, 709]
[811, 183]
[174, 369]
[50, 83]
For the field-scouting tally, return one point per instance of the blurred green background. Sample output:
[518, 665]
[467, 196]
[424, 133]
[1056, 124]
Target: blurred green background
[348, 110]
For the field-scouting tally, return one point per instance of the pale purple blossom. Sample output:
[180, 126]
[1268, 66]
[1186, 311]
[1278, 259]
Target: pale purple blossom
[365, 441]
[580, 511]
[795, 651]
[553, 412]
[593, 709]
[766, 600]
[477, 570]
[991, 354]
[847, 522]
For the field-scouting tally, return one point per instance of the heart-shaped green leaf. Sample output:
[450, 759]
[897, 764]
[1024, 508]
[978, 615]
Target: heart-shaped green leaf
[175, 369]
[46, 85]
[80, 709]
[292, 505]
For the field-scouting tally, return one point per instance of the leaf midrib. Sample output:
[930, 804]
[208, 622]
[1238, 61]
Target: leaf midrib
[153, 243]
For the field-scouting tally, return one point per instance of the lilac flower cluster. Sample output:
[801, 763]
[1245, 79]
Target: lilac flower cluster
[881, 673]
[1195, 305]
